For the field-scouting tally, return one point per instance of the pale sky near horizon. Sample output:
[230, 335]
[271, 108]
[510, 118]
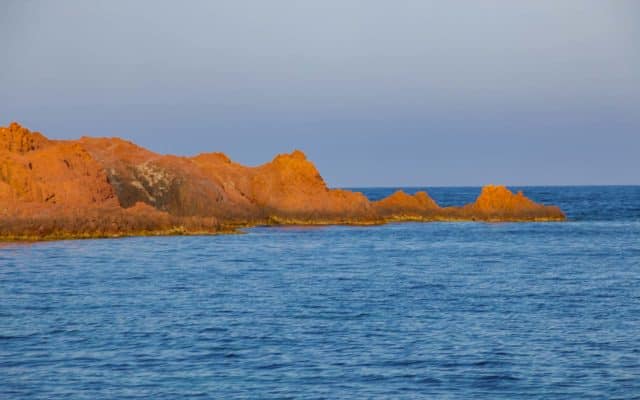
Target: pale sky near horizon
[377, 93]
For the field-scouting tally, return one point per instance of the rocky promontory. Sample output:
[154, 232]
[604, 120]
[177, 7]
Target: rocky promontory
[105, 187]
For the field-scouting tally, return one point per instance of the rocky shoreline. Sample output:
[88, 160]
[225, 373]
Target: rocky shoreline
[109, 187]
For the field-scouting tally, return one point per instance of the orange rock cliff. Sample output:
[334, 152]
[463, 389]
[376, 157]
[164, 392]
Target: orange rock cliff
[95, 187]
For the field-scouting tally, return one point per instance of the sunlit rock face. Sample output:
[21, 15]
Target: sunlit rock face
[176, 185]
[36, 172]
[290, 188]
[401, 205]
[499, 203]
[90, 183]
[17, 139]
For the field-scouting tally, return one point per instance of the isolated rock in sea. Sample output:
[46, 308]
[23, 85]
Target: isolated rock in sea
[499, 203]
[109, 186]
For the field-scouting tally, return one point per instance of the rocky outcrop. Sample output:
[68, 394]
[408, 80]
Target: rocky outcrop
[401, 206]
[109, 187]
[17, 139]
[290, 189]
[494, 204]
[36, 171]
[497, 203]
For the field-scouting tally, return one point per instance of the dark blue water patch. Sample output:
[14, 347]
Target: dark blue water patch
[435, 310]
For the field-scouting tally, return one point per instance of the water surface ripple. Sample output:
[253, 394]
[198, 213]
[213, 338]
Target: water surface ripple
[435, 310]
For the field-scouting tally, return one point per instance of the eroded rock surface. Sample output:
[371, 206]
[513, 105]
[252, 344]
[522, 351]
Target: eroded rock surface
[36, 172]
[109, 186]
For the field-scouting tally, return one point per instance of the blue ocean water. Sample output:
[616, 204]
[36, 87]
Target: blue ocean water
[413, 310]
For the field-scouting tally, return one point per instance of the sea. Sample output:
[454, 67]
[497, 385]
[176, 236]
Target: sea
[450, 310]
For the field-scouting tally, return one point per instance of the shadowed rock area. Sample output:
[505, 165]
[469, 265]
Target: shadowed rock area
[102, 187]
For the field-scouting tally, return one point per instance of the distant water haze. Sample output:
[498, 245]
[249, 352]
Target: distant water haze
[376, 93]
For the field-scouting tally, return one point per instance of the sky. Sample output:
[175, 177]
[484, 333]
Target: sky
[376, 93]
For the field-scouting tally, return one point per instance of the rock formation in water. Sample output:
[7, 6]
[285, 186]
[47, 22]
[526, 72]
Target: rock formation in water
[95, 187]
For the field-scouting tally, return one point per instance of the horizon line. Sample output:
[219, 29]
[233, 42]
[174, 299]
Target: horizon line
[349, 187]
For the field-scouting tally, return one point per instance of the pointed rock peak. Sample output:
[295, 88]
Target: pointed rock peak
[398, 194]
[499, 198]
[494, 192]
[214, 156]
[15, 126]
[298, 154]
[222, 156]
[294, 155]
[421, 197]
[424, 198]
[494, 189]
[18, 139]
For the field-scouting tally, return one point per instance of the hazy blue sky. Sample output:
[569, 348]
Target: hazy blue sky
[375, 92]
